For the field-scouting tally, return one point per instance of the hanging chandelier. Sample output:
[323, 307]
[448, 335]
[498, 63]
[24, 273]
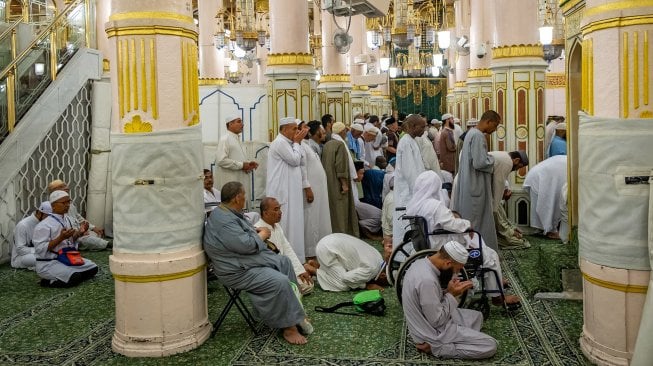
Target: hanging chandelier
[551, 32]
[242, 22]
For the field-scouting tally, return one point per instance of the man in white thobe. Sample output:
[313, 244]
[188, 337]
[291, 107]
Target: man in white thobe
[92, 238]
[408, 166]
[22, 252]
[284, 180]
[231, 159]
[429, 157]
[508, 234]
[435, 323]
[544, 183]
[347, 263]
[211, 195]
[270, 217]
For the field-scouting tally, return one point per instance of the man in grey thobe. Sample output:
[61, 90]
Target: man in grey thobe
[473, 184]
[242, 260]
[434, 321]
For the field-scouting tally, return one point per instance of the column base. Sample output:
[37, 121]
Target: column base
[596, 354]
[161, 303]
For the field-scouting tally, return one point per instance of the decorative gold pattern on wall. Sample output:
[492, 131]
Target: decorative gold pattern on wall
[151, 30]
[572, 23]
[617, 23]
[137, 126]
[479, 73]
[213, 81]
[137, 78]
[646, 68]
[616, 5]
[360, 87]
[459, 84]
[624, 80]
[521, 50]
[415, 87]
[335, 78]
[587, 77]
[556, 80]
[290, 59]
[189, 81]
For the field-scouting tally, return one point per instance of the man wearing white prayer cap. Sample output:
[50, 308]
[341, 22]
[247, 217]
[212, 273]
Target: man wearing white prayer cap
[435, 322]
[231, 161]
[22, 252]
[52, 238]
[354, 140]
[286, 183]
[559, 142]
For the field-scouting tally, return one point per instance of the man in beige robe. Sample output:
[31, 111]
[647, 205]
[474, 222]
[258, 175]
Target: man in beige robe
[231, 158]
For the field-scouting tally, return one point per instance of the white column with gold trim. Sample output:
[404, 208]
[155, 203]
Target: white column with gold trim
[291, 70]
[158, 263]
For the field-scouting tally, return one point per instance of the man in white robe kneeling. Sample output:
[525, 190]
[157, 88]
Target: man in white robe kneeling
[347, 263]
[434, 321]
[241, 260]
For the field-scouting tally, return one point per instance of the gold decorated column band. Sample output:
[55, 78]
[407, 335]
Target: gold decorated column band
[137, 78]
[149, 30]
[617, 22]
[520, 50]
[479, 73]
[213, 81]
[638, 289]
[159, 278]
[150, 15]
[624, 78]
[335, 78]
[275, 59]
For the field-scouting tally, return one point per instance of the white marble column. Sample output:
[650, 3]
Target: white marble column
[158, 263]
[291, 70]
[360, 94]
[334, 90]
[479, 76]
[211, 69]
[463, 19]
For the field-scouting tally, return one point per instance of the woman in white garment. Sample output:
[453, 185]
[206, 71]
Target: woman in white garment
[427, 202]
[317, 219]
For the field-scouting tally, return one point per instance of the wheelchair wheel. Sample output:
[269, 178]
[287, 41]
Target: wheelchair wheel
[482, 305]
[398, 256]
[405, 265]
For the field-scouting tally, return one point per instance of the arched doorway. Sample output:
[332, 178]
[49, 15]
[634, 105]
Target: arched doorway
[574, 100]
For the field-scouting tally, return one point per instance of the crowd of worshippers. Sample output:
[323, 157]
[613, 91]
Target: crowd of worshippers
[49, 240]
[310, 224]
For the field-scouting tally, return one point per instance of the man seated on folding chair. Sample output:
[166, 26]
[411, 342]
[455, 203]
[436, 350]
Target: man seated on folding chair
[434, 321]
[426, 202]
[242, 261]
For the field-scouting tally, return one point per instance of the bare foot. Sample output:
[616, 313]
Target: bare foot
[553, 235]
[292, 336]
[373, 286]
[505, 283]
[509, 300]
[313, 263]
[423, 347]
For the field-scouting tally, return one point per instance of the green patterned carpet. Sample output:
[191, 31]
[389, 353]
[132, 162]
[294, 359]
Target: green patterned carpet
[40, 326]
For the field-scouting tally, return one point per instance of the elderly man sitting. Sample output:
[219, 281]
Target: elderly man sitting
[242, 260]
[270, 218]
[52, 238]
[22, 252]
[347, 263]
[434, 321]
[91, 238]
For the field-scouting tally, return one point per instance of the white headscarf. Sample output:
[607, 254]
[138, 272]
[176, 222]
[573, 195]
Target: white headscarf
[427, 196]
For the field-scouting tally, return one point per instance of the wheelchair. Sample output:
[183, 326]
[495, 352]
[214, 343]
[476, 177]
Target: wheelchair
[416, 245]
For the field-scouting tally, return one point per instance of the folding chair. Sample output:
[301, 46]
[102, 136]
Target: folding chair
[234, 299]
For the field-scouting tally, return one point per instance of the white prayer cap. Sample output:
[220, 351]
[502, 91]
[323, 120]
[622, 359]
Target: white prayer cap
[56, 196]
[472, 122]
[287, 120]
[446, 116]
[359, 121]
[456, 251]
[338, 127]
[456, 120]
[436, 122]
[561, 126]
[357, 127]
[230, 118]
[46, 207]
[372, 129]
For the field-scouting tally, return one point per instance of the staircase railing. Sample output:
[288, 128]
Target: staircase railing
[30, 72]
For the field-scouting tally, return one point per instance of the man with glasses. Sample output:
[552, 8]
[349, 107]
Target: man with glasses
[52, 237]
[473, 185]
[508, 234]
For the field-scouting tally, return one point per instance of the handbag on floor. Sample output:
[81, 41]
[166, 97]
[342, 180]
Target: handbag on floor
[367, 302]
[70, 257]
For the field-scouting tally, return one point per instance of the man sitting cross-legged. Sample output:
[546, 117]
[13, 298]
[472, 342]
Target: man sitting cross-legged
[242, 260]
[434, 321]
[22, 252]
[270, 218]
